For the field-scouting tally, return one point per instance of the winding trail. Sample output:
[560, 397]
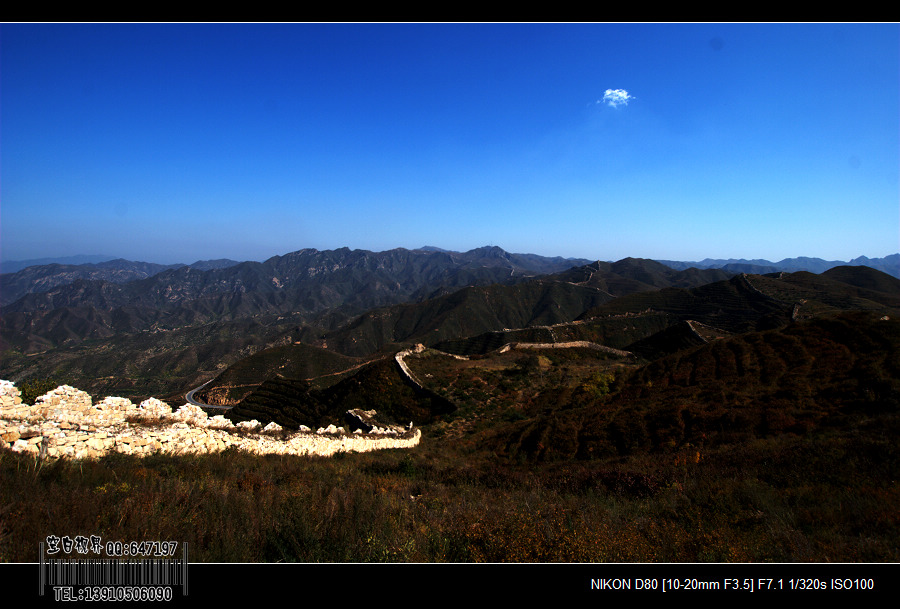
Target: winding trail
[189, 396]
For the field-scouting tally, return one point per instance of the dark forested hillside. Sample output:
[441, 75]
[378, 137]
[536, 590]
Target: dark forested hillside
[808, 376]
[378, 386]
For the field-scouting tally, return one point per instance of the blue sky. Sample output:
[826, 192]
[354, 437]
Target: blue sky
[180, 142]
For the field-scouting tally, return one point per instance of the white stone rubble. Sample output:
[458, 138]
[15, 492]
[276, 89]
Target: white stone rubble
[64, 423]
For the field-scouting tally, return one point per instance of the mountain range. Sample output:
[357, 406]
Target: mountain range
[179, 321]
[630, 410]
[145, 329]
[19, 278]
[888, 264]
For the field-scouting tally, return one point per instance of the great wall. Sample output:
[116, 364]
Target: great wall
[64, 423]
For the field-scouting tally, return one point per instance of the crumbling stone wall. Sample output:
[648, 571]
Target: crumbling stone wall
[584, 344]
[400, 358]
[65, 424]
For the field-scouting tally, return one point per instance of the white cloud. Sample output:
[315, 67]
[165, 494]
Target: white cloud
[614, 97]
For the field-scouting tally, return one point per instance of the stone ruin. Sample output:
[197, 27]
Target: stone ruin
[64, 423]
[368, 421]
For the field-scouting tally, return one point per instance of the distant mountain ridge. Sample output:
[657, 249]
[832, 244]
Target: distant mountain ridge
[888, 264]
[125, 296]
[44, 277]
[307, 282]
[101, 261]
[357, 272]
[12, 266]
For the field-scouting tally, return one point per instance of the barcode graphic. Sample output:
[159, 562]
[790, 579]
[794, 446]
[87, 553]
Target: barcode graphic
[114, 572]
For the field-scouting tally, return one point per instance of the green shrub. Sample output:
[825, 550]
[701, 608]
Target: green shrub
[598, 384]
[32, 389]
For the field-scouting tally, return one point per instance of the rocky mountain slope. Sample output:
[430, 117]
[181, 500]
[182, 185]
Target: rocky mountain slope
[41, 278]
[212, 317]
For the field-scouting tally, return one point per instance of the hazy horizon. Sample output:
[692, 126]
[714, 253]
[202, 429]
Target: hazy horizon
[173, 143]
